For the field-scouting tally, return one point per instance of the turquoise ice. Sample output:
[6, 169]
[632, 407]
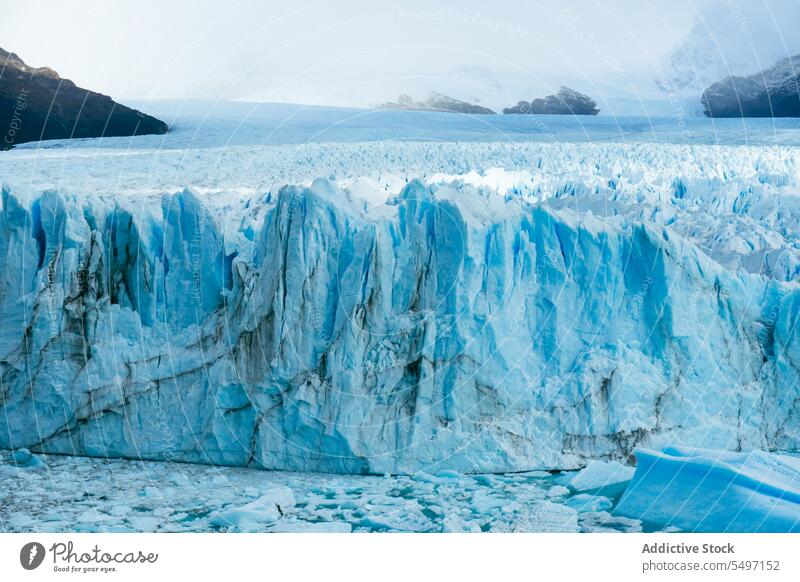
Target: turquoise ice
[449, 327]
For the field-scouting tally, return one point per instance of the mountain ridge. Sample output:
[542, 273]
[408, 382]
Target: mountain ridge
[773, 92]
[37, 104]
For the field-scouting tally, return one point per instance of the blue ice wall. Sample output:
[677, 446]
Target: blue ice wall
[449, 328]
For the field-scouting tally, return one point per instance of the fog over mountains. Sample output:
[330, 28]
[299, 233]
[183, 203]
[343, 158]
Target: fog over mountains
[631, 58]
[727, 38]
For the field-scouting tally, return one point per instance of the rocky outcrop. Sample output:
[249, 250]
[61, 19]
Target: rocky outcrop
[774, 92]
[566, 102]
[436, 102]
[727, 38]
[36, 104]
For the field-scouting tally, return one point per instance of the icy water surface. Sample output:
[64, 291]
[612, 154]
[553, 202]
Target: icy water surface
[86, 495]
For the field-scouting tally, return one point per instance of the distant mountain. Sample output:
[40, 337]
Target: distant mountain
[730, 39]
[774, 92]
[37, 104]
[566, 102]
[436, 102]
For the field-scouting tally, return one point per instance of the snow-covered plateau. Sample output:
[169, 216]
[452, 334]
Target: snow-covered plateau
[397, 307]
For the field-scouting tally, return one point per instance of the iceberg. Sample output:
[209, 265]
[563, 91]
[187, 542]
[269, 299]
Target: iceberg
[703, 490]
[589, 503]
[255, 515]
[450, 328]
[602, 478]
[23, 458]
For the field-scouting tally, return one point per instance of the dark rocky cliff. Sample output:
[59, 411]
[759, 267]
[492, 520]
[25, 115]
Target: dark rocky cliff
[566, 102]
[774, 92]
[36, 104]
[436, 102]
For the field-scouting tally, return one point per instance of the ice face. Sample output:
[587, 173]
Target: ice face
[713, 491]
[450, 327]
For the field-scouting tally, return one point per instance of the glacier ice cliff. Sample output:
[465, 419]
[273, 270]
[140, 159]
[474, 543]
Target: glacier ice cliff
[450, 327]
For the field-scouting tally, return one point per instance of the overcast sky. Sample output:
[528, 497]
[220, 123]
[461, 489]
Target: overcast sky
[335, 51]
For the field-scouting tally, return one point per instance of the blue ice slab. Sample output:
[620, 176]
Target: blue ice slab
[706, 490]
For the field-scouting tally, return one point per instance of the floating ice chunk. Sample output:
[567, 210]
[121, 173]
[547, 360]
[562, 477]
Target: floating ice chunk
[551, 517]
[254, 516]
[484, 502]
[180, 479]
[311, 527]
[150, 491]
[24, 458]
[602, 477]
[144, 523]
[449, 474]
[20, 520]
[115, 529]
[387, 513]
[557, 491]
[714, 491]
[486, 480]
[435, 510]
[280, 497]
[540, 516]
[92, 516]
[424, 477]
[602, 521]
[583, 503]
[455, 524]
[532, 474]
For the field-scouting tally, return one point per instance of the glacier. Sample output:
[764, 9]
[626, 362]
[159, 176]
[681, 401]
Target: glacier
[448, 327]
[439, 324]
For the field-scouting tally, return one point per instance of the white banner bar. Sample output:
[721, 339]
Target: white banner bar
[402, 557]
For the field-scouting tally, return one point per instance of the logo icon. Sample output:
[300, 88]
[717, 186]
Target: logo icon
[31, 555]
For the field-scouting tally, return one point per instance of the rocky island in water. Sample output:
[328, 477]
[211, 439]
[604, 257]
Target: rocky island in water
[435, 102]
[566, 102]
